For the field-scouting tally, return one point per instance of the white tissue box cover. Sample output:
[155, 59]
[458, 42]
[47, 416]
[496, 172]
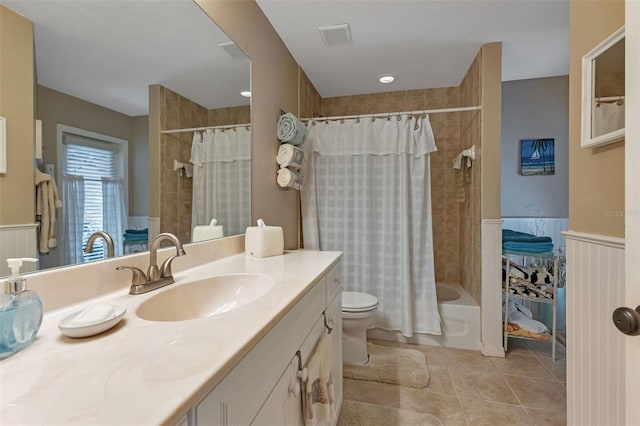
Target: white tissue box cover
[264, 242]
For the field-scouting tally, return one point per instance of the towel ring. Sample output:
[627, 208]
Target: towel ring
[327, 324]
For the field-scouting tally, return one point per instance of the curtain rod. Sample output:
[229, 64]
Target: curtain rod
[195, 129]
[609, 98]
[387, 114]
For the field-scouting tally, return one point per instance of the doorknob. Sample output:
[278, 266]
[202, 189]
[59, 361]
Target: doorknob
[627, 320]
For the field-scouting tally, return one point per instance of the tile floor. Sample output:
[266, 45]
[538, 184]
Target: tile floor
[468, 389]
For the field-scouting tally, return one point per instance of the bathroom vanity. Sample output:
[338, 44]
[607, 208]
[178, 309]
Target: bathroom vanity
[237, 367]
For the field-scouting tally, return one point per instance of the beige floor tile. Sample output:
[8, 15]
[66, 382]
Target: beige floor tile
[435, 355]
[466, 360]
[488, 387]
[371, 392]
[544, 348]
[440, 380]
[540, 394]
[558, 367]
[523, 365]
[485, 413]
[548, 418]
[445, 408]
[518, 346]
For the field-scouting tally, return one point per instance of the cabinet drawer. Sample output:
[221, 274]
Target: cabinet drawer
[334, 282]
[239, 396]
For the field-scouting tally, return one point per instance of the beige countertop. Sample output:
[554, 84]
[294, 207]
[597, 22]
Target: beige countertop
[144, 372]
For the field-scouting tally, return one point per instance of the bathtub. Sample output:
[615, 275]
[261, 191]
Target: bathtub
[460, 316]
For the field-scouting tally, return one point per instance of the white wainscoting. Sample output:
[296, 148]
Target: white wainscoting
[595, 348]
[492, 288]
[18, 241]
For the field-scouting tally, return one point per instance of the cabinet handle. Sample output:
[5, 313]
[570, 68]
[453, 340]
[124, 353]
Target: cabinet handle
[294, 389]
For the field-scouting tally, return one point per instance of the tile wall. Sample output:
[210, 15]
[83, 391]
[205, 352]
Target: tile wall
[178, 112]
[470, 212]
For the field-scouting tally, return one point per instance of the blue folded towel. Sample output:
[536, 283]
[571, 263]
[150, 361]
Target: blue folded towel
[137, 231]
[135, 237]
[528, 247]
[521, 237]
[290, 129]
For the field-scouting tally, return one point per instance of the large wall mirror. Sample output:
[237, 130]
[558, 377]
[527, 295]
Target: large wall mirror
[115, 77]
[603, 95]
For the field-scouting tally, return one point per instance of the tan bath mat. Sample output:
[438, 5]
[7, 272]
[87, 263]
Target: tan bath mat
[355, 413]
[387, 364]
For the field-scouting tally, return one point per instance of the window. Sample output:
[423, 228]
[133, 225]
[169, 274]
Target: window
[94, 191]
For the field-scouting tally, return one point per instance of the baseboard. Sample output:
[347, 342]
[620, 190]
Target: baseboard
[495, 351]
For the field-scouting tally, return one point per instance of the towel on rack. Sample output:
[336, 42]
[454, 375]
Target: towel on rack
[291, 130]
[318, 395]
[522, 316]
[288, 179]
[289, 156]
[47, 201]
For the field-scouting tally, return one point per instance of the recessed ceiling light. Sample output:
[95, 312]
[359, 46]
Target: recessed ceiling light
[246, 93]
[385, 79]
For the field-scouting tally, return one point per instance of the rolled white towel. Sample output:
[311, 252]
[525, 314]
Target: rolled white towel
[289, 156]
[290, 129]
[288, 179]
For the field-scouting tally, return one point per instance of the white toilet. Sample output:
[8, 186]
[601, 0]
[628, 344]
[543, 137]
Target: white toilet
[357, 316]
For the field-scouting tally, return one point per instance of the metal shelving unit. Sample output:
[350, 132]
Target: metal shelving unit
[553, 301]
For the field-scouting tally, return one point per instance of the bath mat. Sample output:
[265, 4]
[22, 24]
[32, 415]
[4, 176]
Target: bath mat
[387, 364]
[355, 413]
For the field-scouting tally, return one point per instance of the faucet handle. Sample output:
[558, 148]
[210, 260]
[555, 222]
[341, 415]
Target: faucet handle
[138, 278]
[165, 268]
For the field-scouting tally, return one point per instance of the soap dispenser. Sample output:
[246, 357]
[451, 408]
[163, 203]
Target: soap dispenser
[20, 311]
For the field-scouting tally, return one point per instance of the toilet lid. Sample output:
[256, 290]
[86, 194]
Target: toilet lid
[357, 302]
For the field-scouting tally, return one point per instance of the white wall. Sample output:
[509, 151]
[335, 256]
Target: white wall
[534, 109]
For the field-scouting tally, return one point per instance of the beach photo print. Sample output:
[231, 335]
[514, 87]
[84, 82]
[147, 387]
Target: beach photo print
[537, 157]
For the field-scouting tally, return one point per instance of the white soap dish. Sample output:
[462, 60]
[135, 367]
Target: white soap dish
[92, 320]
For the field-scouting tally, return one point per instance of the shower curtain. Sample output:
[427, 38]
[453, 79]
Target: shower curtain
[368, 193]
[222, 178]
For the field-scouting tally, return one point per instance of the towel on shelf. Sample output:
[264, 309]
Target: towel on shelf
[318, 394]
[291, 130]
[522, 316]
[521, 237]
[289, 156]
[537, 248]
[136, 235]
[47, 201]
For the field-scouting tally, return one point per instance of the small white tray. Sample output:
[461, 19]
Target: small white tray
[68, 328]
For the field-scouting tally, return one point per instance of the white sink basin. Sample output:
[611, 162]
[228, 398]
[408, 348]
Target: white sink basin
[205, 298]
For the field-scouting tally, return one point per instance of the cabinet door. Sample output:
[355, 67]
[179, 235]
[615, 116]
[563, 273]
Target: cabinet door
[280, 408]
[334, 314]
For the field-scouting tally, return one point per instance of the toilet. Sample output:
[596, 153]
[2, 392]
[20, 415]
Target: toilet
[357, 316]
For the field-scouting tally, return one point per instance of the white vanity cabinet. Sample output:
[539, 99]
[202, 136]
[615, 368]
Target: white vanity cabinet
[263, 388]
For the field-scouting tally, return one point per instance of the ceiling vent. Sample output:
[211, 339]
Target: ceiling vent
[234, 51]
[335, 35]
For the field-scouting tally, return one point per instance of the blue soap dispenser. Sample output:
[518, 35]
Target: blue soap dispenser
[20, 311]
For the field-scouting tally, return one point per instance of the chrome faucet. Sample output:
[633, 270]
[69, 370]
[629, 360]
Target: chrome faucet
[107, 238]
[155, 277]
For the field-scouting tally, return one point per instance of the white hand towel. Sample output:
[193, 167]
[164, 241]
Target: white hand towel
[290, 129]
[288, 179]
[318, 395]
[290, 156]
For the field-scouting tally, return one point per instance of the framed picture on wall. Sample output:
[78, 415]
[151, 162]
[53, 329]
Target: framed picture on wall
[537, 157]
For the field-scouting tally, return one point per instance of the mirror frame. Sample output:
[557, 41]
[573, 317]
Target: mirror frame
[588, 82]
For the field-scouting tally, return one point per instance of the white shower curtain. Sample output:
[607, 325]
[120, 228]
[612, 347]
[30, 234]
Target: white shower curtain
[114, 213]
[367, 192]
[70, 240]
[222, 178]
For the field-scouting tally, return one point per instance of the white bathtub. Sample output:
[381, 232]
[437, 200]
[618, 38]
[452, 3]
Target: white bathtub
[460, 316]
